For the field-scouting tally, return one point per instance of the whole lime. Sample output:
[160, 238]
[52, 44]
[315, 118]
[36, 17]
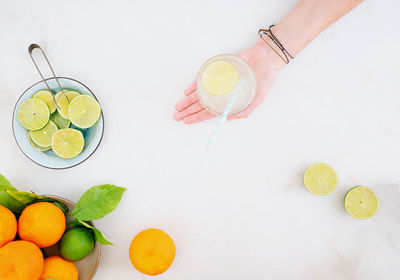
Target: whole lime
[76, 244]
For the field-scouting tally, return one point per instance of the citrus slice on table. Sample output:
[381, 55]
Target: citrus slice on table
[84, 111]
[320, 179]
[361, 202]
[59, 120]
[48, 98]
[219, 77]
[63, 100]
[43, 137]
[68, 143]
[33, 114]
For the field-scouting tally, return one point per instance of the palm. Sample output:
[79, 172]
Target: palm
[265, 68]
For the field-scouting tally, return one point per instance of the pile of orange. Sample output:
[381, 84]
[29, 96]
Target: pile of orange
[40, 225]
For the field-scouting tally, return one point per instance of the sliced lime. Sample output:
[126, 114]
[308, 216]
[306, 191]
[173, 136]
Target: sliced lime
[320, 179]
[43, 137]
[33, 114]
[63, 100]
[361, 202]
[68, 143]
[219, 77]
[59, 120]
[40, 149]
[84, 111]
[47, 97]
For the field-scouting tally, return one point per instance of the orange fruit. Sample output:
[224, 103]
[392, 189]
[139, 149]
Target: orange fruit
[8, 226]
[152, 251]
[20, 260]
[42, 223]
[59, 268]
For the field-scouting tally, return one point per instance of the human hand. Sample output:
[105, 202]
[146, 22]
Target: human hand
[265, 64]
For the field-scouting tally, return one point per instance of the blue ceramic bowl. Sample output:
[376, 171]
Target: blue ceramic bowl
[49, 159]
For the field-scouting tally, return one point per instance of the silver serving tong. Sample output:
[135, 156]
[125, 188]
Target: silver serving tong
[30, 50]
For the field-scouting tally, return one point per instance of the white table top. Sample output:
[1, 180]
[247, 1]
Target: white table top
[238, 211]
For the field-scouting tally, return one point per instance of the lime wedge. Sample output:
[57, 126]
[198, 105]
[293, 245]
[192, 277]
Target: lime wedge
[33, 114]
[47, 97]
[219, 77]
[43, 137]
[68, 143]
[84, 111]
[320, 179]
[63, 102]
[361, 202]
[40, 149]
[59, 120]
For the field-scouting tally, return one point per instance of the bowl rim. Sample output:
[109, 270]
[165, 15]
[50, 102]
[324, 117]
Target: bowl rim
[49, 167]
[67, 201]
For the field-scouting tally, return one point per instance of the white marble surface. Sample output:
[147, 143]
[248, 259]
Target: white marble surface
[238, 211]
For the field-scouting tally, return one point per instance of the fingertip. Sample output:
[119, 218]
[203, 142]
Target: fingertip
[198, 117]
[178, 107]
[190, 89]
[192, 119]
[186, 102]
[188, 121]
[176, 116]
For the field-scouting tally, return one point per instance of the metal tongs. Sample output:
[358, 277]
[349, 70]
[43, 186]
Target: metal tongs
[30, 50]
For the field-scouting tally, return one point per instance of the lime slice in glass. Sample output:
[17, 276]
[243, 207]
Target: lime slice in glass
[43, 137]
[59, 120]
[219, 77]
[68, 143]
[40, 149]
[320, 179]
[33, 114]
[63, 102]
[84, 111]
[361, 202]
[47, 97]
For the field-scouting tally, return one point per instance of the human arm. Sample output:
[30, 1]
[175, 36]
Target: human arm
[304, 22]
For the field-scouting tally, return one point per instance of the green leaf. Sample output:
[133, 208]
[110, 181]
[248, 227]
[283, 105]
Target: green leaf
[85, 224]
[61, 205]
[4, 182]
[9, 202]
[98, 202]
[27, 198]
[98, 235]
[56, 202]
[6, 199]
[23, 197]
[74, 223]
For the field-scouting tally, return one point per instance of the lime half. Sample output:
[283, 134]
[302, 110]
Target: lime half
[33, 114]
[320, 179]
[84, 111]
[59, 120]
[361, 202]
[43, 137]
[40, 149]
[68, 143]
[219, 77]
[63, 102]
[47, 97]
